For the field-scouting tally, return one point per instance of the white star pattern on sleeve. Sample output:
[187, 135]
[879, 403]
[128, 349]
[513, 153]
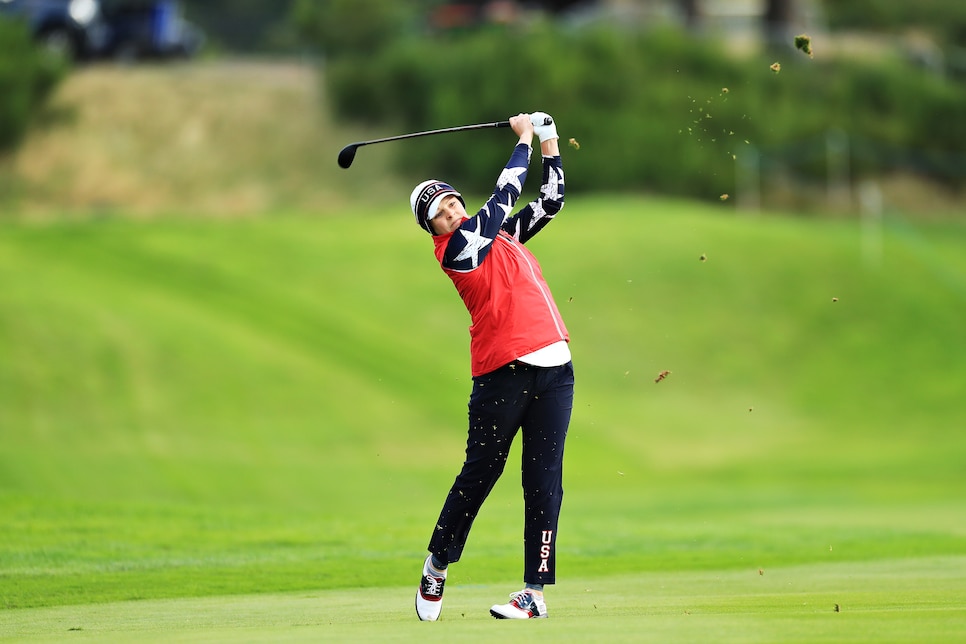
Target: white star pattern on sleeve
[510, 176]
[550, 190]
[538, 214]
[475, 242]
[506, 208]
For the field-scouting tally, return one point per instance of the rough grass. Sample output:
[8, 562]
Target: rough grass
[219, 138]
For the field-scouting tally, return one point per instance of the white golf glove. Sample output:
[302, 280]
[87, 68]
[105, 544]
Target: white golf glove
[544, 132]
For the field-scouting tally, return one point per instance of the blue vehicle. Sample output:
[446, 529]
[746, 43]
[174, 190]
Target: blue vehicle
[121, 29]
[149, 29]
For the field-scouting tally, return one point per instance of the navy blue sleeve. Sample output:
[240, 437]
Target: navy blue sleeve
[471, 242]
[535, 215]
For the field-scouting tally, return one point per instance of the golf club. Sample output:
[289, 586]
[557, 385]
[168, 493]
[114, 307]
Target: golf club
[348, 153]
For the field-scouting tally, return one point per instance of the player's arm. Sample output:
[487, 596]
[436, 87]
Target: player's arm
[538, 213]
[471, 243]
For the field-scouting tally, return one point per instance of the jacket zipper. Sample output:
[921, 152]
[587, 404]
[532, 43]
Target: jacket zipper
[533, 276]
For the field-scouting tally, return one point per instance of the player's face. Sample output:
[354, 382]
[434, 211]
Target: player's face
[449, 215]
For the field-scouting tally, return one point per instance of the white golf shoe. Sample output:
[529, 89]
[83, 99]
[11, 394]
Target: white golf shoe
[524, 604]
[429, 597]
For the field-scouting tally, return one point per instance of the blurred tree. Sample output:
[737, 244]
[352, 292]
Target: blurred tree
[245, 26]
[28, 77]
[346, 27]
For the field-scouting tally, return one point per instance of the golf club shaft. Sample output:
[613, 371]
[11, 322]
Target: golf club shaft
[458, 128]
[348, 153]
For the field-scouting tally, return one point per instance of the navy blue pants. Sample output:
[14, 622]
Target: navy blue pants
[539, 401]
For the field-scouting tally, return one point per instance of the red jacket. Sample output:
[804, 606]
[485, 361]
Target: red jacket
[512, 310]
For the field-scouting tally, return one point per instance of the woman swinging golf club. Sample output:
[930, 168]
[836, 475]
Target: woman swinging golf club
[520, 363]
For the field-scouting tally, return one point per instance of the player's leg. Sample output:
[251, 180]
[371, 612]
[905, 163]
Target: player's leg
[545, 428]
[544, 433]
[495, 411]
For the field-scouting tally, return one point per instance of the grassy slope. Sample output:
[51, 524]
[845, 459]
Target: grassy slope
[204, 407]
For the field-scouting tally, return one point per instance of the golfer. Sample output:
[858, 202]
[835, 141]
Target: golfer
[520, 362]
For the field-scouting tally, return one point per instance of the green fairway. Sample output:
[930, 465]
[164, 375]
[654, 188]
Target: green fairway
[819, 603]
[244, 425]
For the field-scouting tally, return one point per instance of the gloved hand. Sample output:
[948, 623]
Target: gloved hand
[544, 132]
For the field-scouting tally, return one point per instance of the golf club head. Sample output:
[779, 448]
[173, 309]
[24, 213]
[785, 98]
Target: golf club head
[347, 155]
